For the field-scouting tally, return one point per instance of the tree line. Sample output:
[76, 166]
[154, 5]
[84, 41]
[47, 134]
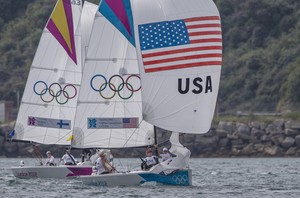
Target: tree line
[261, 51]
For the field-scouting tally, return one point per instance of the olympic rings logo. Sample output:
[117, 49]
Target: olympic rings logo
[110, 85]
[180, 179]
[47, 94]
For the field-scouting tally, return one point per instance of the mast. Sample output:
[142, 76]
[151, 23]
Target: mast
[155, 144]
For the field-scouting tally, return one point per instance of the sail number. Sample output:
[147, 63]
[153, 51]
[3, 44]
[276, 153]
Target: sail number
[200, 85]
[76, 2]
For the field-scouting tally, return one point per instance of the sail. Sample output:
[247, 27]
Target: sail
[86, 24]
[119, 13]
[49, 100]
[179, 47]
[109, 110]
[181, 159]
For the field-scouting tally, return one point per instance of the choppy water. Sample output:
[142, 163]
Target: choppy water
[220, 178]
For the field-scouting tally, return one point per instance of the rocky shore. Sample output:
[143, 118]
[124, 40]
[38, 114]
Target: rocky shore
[253, 139]
[281, 138]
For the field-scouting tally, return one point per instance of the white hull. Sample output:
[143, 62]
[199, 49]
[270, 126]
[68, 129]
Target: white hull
[60, 172]
[179, 178]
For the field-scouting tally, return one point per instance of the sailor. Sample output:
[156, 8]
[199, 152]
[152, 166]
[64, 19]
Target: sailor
[149, 161]
[50, 161]
[68, 158]
[86, 155]
[102, 165]
[165, 155]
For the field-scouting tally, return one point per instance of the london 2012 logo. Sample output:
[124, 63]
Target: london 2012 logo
[124, 86]
[54, 91]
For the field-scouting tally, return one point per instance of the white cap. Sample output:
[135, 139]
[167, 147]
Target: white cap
[48, 152]
[165, 149]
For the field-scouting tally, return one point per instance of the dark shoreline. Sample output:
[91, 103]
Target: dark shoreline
[254, 139]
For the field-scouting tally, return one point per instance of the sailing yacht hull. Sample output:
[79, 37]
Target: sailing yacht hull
[178, 178]
[59, 172]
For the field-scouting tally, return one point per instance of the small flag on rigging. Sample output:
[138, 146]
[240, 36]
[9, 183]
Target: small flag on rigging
[11, 134]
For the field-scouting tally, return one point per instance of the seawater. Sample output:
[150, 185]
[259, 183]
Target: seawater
[212, 177]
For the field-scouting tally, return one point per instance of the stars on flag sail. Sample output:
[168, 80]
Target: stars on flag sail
[177, 44]
[61, 26]
[119, 13]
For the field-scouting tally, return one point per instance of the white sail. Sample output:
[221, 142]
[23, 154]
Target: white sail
[48, 104]
[179, 46]
[86, 24]
[106, 117]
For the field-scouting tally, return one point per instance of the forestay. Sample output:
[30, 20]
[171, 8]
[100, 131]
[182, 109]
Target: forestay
[109, 111]
[179, 46]
[48, 104]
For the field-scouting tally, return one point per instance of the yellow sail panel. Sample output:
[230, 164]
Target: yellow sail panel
[60, 20]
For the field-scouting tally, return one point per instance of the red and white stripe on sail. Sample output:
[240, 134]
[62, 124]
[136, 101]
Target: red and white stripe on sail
[204, 48]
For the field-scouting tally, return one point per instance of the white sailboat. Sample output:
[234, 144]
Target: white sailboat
[109, 110]
[179, 50]
[48, 106]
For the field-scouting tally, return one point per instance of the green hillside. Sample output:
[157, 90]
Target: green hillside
[261, 67]
[261, 62]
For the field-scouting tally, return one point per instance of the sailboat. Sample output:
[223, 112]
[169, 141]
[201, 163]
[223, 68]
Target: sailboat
[109, 108]
[179, 50]
[47, 111]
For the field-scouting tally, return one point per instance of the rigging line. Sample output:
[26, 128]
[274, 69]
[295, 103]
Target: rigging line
[114, 35]
[166, 141]
[52, 109]
[120, 162]
[124, 106]
[132, 134]
[152, 89]
[95, 109]
[37, 155]
[79, 107]
[114, 107]
[48, 44]
[63, 114]
[101, 36]
[163, 101]
[22, 100]
[64, 137]
[139, 155]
